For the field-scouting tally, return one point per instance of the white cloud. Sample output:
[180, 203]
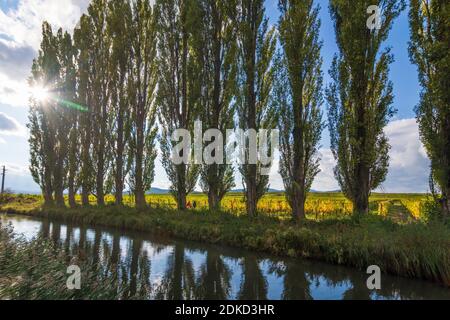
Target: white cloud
[20, 37]
[325, 180]
[409, 164]
[23, 25]
[17, 170]
[10, 126]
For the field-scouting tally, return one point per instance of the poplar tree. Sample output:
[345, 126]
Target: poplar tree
[60, 87]
[99, 94]
[119, 27]
[42, 131]
[84, 58]
[360, 97]
[298, 95]
[40, 140]
[141, 89]
[178, 89]
[69, 122]
[216, 48]
[430, 51]
[256, 45]
[46, 167]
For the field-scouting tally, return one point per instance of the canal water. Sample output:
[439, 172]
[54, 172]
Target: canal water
[167, 268]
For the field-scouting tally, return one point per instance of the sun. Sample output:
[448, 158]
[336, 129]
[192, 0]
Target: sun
[39, 93]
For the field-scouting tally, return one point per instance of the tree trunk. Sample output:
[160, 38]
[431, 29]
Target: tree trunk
[182, 195]
[213, 185]
[119, 162]
[85, 170]
[446, 204]
[59, 189]
[213, 200]
[99, 189]
[85, 195]
[251, 192]
[119, 181]
[139, 187]
[72, 202]
[446, 209]
[119, 169]
[181, 201]
[48, 197]
[298, 204]
[252, 197]
[73, 163]
[361, 203]
[101, 140]
[119, 187]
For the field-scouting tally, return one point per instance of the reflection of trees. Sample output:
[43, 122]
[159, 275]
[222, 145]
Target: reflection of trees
[143, 278]
[96, 247]
[45, 228]
[82, 240]
[254, 284]
[214, 280]
[115, 251]
[358, 291]
[295, 280]
[178, 282]
[301, 278]
[56, 232]
[134, 266]
[67, 246]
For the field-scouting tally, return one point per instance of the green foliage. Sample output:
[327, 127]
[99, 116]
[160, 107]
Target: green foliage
[215, 47]
[360, 98]
[119, 26]
[298, 95]
[430, 51]
[107, 76]
[142, 86]
[256, 44]
[52, 123]
[178, 88]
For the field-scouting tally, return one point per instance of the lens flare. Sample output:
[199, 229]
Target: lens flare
[39, 93]
[43, 95]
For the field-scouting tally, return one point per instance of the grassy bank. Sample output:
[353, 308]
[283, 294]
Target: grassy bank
[412, 250]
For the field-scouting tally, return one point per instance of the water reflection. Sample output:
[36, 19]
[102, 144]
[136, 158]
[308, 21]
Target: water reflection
[153, 267]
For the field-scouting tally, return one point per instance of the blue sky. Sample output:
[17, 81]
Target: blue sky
[20, 35]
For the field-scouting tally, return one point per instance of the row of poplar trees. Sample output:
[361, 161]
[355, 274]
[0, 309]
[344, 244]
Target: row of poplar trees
[134, 72]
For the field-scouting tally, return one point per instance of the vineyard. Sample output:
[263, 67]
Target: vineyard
[319, 206]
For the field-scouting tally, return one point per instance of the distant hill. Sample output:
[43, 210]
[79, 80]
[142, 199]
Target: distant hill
[158, 191]
[270, 191]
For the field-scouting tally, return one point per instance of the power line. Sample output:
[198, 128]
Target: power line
[3, 179]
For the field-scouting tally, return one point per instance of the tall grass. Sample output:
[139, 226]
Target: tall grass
[37, 269]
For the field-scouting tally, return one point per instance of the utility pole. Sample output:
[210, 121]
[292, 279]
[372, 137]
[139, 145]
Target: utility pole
[3, 179]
